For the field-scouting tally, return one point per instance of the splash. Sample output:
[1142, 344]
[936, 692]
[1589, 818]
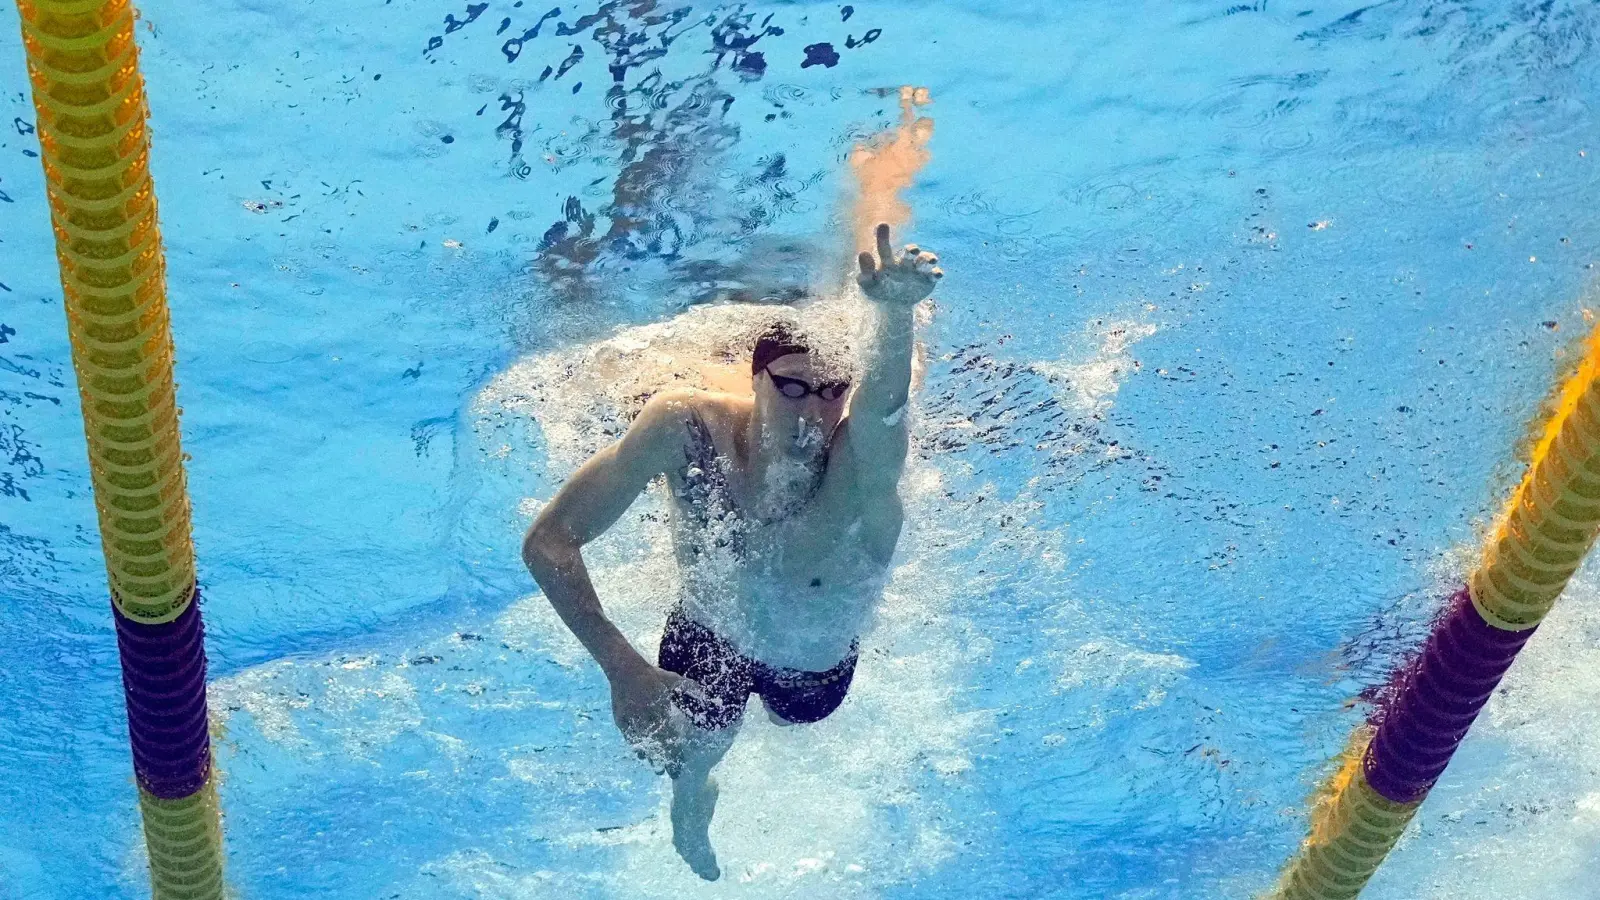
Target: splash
[856, 807]
[1091, 385]
[864, 792]
[791, 479]
[808, 439]
[888, 165]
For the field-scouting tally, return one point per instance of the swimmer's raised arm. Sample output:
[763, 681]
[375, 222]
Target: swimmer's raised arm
[589, 503]
[876, 430]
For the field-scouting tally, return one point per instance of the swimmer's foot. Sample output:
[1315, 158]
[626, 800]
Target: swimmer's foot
[691, 828]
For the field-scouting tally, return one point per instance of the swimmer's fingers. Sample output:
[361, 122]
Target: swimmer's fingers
[885, 249]
[655, 755]
[920, 259]
[671, 759]
[660, 744]
[869, 269]
[655, 745]
[688, 687]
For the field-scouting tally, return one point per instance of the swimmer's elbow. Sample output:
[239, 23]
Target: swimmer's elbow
[546, 547]
[533, 552]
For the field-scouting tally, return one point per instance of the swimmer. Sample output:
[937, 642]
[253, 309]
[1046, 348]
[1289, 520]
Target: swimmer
[784, 512]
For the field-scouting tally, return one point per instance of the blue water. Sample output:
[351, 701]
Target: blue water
[1248, 308]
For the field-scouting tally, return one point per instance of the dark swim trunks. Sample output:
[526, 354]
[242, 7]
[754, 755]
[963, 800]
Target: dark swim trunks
[728, 678]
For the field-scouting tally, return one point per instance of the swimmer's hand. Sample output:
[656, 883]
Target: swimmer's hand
[898, 280]
[641, 700]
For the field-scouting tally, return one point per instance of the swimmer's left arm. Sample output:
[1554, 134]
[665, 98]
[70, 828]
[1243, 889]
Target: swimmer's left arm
[876, 433]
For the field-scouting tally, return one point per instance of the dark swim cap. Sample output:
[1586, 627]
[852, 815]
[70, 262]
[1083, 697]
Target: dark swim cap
[777, 339]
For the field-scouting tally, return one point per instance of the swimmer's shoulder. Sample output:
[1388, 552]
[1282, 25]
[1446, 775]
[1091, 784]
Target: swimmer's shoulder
[717, 410]
[677, 405]
[672, 416]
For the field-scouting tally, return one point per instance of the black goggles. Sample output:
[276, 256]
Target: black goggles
[796, 388]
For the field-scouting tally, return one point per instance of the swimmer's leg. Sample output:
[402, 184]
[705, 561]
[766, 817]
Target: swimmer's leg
[694, 793]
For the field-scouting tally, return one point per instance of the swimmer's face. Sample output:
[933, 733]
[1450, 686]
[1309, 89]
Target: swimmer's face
[799, 404]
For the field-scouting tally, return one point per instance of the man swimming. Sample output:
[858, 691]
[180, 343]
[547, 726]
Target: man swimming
[785, 514]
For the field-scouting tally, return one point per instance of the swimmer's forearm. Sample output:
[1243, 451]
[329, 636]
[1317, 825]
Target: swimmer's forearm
[564, 578]
[886, 383]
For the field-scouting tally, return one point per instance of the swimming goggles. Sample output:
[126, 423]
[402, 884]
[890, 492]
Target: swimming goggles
[795, 388]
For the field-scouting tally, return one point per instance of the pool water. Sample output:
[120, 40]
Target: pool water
[1248, 310]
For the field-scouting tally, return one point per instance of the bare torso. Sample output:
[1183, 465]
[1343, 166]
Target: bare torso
[790, 583]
